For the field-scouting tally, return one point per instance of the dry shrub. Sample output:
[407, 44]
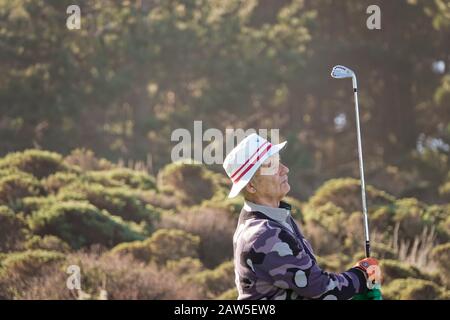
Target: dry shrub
[214, 226]
[20, 269]
[215, 282]
[86, 160]
[114, 277]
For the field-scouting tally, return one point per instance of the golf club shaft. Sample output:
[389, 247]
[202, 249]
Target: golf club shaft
[361, 171]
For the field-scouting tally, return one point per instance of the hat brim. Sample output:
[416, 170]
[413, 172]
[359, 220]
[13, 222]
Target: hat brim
[237, 187]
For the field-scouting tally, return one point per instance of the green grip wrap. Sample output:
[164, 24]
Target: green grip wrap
[373, 294]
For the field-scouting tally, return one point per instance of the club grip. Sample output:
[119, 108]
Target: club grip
[367, 249]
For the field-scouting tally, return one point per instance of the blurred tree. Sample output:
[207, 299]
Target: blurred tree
[136, 71]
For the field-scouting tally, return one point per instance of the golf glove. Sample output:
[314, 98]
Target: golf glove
[372, 271]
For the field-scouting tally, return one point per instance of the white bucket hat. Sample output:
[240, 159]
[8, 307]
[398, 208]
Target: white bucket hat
[245, 159]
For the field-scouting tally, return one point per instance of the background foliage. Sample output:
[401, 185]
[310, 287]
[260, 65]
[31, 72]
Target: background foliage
[137, 70]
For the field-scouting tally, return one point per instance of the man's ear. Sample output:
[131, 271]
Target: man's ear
[250, 187]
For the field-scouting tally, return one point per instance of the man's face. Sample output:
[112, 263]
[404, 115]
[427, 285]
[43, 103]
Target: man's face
[271, 180]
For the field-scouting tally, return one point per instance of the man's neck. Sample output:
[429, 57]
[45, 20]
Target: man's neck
[273, 203]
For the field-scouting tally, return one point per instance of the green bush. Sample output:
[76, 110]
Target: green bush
[296, 208]
[28, 205]
[172, 244]
[346, 194]
[185, 267]
[222, 202]
[409, 212]
[121, 201]
[215, 282]
[444, 189]
[81, 224]
[412, 289]
[139, 250]
[49, 243]
[124, 176]
[382, 219]
[393, 269]
[439, 215]
[445, 226]
[412, 216]
[164, 245]
[86, 160]
[330, 216]
[330, 263]
[191, 183]
[322, 241]
[230, 294]
[7, 171]
[28, 263]
[378, 251]
[39, 163]
[12, 230]
[58, 180]
[441, 255]
[214, 226]
[16, 186]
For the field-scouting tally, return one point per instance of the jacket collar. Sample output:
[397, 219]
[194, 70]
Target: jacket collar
[280, 214]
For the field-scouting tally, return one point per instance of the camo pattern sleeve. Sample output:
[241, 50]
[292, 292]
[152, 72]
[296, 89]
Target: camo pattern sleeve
[276, 263]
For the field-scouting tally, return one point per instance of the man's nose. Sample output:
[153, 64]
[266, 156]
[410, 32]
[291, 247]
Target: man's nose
[284, 169]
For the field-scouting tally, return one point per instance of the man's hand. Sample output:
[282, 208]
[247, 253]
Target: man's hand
[372, 271]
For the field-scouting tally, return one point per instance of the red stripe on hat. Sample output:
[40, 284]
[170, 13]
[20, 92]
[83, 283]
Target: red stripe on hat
[243, 165]
[253, 163]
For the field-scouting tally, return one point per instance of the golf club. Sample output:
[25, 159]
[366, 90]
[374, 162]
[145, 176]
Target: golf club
[341, 72]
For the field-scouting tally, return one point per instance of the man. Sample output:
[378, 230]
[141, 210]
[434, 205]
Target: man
[272, 259]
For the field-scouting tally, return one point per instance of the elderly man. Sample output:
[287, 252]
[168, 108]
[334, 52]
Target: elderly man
[272, 259]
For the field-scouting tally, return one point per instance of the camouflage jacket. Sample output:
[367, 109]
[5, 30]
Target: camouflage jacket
[272, 260]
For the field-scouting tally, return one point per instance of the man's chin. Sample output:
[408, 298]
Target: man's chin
[286, 189]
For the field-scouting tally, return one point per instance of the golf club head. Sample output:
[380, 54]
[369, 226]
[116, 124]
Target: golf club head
[341, 72]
